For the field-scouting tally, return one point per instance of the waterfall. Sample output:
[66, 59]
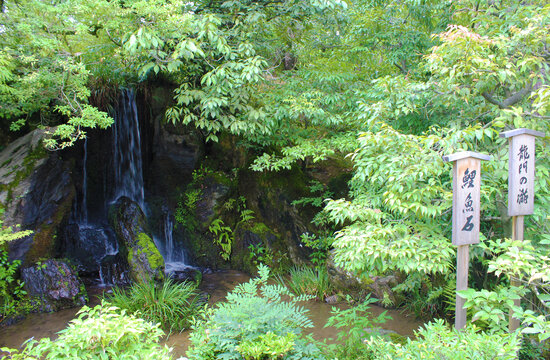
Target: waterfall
[128, 165]
[172, 252]
[84, 205]
[97, 242]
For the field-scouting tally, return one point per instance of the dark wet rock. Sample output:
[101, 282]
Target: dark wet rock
[189, 275]
[135, 241]
[341, 278]
[333, 299]
[270, 197]
[113, 270]
[381, 288]
[175, 155]
[55, 283]
[37, 191]
[212, 192]
[86, 246]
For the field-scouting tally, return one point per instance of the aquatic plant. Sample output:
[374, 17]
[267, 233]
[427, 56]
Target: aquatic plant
[308, 281]
[169, 303]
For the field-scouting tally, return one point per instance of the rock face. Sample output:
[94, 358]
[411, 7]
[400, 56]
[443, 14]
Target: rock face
[36, 192]
[270, 197]
[135, 242]
[255, 242]
[55, 283]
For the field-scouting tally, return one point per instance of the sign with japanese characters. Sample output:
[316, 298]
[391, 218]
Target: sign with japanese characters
[466, 196]
[521, 171]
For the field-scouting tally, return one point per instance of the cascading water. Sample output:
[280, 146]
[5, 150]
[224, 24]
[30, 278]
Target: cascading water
[172, 252]
[89, 242]
[128, 165]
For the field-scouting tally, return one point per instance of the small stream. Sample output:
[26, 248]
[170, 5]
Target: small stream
[216, 285]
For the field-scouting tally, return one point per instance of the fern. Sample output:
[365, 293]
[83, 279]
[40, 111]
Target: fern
[239, 326]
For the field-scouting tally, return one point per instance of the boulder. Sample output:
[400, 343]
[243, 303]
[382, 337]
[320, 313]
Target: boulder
[55, 284]
[380, 287]
[36, 191]
[135, 241]
[270, 197]
[341, 278]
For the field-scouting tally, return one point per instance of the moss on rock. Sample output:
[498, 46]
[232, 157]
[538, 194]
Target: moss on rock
[136, 245]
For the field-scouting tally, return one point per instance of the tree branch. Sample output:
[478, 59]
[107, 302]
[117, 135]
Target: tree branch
[117, 43]
[512, 100]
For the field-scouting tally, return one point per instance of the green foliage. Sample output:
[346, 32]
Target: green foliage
[317, 201]
[437, 341]
[260, 254]
[8, 234]
[527, 264]
[320, 246]
[308, 281]
[267, 346]
[490, 308]
[223, 236]
[356, 327]
[12, 293]
[43, 76]
[169, 304]
[99, 333]
[254, 323]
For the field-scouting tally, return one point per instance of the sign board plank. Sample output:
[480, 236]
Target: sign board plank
[521, 172]
[466, 201]
[462, 262]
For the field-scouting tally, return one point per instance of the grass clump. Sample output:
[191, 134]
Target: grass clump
[308, 281]
[169, 303]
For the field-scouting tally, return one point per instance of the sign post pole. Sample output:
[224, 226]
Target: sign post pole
[521, 188]
[466, 205]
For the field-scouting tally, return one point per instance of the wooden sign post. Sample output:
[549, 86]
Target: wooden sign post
[521, 187]
[466, 205]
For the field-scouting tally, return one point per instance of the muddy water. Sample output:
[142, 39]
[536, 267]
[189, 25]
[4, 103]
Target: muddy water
[216, 285]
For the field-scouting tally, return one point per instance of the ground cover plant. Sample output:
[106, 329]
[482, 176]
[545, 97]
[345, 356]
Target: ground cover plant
[438, 341]
[169, 303]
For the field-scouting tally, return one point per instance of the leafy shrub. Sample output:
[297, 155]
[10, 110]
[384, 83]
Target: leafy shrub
[254, 323]
[308, 281]
[319, 246]
[12, 294]
[171, 304]
[99, 333]
[356, 326]
[438, 341]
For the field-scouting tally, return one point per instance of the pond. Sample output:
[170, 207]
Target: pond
[217, 285]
